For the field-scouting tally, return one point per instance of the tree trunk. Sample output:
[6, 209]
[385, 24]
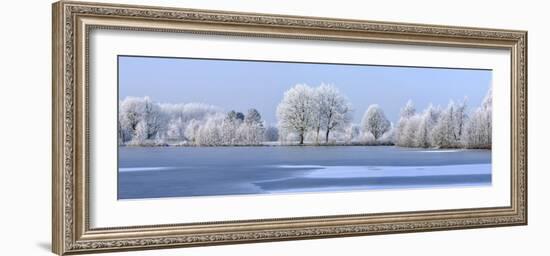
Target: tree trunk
[317, 136]
[326, 136]
[301, 138]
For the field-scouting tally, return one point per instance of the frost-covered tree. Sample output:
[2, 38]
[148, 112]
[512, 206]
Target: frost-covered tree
[151, 118]
[428, 120]
[406, 113]
[140, 119]
[229, 127]
[329, 111]
[251, 131]
[209, 134]
[460, 118]
[444, 132]
[192, 131]
[432, 115]
[316, 114]
[388, 138]
[410, 133]
[250, 134]
[368, 138]
[375, 122]
[141, 133]
[487, 103]
[232, 115]
[294, 111]
[334, 109]
[423, 135]
[475, 133]
[352, 133]
[305, 109]
[177, 117]
[130, 111]
[239, 116]
[478, 129]
[271, 133]
[176, 129]
[189, 111]
[120, 134]
[253, 117]
[409, 110]
[487, 107]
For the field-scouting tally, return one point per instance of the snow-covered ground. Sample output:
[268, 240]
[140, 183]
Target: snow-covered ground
[139, 169]
[334, 172]
[440, 151]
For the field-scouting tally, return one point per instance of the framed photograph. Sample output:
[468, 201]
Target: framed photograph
[179, 127]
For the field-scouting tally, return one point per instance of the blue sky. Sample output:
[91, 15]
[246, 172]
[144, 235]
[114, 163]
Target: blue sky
[240, 85]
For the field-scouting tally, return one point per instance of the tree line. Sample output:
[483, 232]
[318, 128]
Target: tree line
[307, 111]
[142, 122]
[449, 127]
[305, 115]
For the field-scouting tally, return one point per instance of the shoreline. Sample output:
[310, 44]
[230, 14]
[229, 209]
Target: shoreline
[300, 145]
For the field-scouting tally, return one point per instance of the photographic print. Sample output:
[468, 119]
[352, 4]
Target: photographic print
[175, 127]
[219, 127]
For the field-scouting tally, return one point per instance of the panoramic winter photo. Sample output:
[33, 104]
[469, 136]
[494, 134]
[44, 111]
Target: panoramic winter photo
[217, 127]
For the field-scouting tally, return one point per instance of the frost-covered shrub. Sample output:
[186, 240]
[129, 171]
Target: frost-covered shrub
[388, 138]
[368, 138]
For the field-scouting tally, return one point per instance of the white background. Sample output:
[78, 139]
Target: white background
[25, 128]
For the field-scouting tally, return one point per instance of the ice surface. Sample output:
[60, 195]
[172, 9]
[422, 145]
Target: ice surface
[392, 171]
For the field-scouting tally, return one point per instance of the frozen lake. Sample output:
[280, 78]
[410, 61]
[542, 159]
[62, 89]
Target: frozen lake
[156, 172]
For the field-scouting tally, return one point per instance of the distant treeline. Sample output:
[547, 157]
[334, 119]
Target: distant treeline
[306, 115]
[143, 122]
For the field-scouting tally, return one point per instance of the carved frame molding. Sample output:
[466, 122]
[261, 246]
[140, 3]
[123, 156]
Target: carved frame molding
[72, 22]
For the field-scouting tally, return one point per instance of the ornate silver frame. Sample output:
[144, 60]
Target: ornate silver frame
[72, 22]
